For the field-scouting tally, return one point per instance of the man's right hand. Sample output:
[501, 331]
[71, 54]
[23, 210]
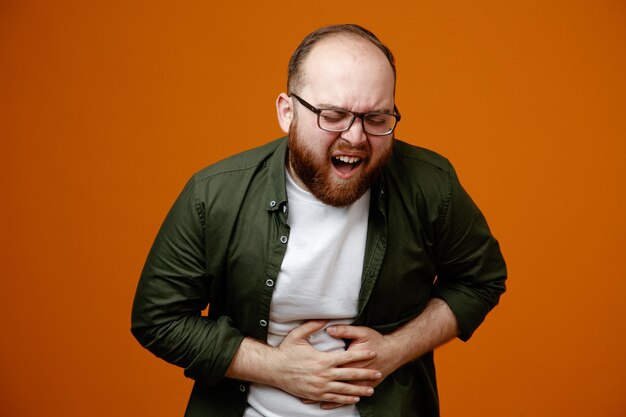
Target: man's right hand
[299, 369]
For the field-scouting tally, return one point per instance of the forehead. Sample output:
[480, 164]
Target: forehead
[348, 70]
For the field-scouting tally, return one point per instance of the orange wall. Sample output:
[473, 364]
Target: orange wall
[106, 108]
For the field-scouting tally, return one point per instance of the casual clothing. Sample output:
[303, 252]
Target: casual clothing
[223, 244]
[319, 277]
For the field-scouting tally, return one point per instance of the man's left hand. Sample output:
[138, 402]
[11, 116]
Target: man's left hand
[365, 338]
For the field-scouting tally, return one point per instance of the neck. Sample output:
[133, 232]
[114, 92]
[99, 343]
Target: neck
[295, 177]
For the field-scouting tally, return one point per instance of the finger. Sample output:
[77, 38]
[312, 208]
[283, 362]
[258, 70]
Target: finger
[307, 401]
[347, 332]
[339, 388]
[306, 329]
[349, 356]
[330, 406]
[367, 383]
[356, 374]
[340, 399]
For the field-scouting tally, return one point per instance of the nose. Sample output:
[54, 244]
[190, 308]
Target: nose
[355, 134]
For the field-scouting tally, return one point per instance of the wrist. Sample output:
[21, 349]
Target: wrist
[396, 351]
[252, 361]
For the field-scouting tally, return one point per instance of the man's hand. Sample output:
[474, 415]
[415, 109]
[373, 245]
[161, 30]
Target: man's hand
[299, 369]
[434, 326]
[364, 339]
[367, 339]
[342, 377]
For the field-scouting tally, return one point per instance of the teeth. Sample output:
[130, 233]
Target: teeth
[348, 159]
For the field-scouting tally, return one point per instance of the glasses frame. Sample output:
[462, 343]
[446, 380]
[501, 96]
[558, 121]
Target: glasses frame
[355, 115]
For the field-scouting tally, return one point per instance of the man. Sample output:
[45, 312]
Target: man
[333, 261]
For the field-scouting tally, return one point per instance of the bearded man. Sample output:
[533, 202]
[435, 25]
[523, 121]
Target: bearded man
[334, 261]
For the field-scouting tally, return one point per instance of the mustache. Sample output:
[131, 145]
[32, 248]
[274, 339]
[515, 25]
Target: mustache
[344, 146]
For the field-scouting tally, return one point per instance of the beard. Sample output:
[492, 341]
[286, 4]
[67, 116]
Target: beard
[316, 171]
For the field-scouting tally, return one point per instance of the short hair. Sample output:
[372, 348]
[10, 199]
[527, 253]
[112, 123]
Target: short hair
[294, 71]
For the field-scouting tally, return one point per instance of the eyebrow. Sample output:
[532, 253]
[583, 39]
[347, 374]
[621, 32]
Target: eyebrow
[334, 107]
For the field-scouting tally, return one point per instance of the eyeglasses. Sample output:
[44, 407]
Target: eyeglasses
[336, 120]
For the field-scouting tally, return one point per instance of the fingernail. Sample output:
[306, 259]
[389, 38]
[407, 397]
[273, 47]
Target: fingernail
[378, 375]
[370, 391]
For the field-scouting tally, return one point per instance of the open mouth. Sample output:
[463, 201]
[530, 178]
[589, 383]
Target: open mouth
[346, 164]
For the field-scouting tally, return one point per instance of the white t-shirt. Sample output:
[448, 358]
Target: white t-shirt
[320, 278]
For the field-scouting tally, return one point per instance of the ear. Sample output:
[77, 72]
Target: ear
[284, 111]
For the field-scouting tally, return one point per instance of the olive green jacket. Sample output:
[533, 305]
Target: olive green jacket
[223, 242]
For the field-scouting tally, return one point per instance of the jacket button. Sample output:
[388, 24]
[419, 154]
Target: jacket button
[269, 283]
[263, 323]
[242, 388]
[272, 203]
[283, 239]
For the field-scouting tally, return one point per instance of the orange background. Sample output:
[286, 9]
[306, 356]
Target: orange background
[108, 107]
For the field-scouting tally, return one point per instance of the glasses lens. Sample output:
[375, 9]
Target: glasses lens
[379, 123]
[335, 120]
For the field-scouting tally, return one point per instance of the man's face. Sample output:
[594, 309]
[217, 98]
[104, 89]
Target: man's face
[351, 74]
[327, 175]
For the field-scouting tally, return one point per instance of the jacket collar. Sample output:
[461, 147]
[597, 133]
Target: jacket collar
[277, 197]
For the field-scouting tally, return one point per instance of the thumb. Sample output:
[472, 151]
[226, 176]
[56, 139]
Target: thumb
[306, 329]
[348, 332]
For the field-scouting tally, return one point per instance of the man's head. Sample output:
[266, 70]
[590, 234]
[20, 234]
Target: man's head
[345, 68]
[295, 76]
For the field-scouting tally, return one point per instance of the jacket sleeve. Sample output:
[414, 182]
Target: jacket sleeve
[172, 292]
[471, 270]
